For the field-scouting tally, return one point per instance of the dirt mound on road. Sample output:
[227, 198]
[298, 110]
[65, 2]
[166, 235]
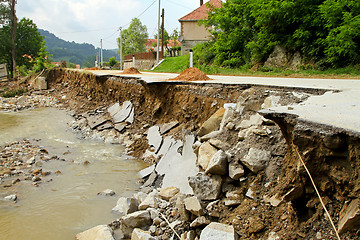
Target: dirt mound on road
[131, 70]
[192, 74]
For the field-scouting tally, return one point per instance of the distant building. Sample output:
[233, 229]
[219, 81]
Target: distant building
[191, 33]
[151, 44]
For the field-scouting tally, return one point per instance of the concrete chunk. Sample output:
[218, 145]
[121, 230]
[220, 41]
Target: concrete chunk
[124, 113]
[146, 171]
[178, 167]
[114, 109]
[154, 138]
[165, 128]
[216, 231]
[95, 121]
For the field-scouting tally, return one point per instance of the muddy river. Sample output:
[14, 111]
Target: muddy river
[68, 204]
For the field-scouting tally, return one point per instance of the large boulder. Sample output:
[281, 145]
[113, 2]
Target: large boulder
[125, 206]
[39, 83]
[213, 123]
[101, 232]
[217, 164]
[206, 187]
[256, 159]
[150, 201]
[137, 219]
[206, 152]
[216, 231]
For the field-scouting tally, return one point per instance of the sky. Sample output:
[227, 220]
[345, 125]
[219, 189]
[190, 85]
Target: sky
[88, 21]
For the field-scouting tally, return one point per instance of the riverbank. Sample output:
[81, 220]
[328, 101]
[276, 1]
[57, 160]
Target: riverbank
[209, 141]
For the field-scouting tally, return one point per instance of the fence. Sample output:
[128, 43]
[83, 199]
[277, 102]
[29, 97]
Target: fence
[144, 55]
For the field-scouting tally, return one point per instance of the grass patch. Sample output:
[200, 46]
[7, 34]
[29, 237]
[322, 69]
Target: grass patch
[12, 93]
[179, 64]
[174, 64]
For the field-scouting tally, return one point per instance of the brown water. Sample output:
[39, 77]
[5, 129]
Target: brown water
[69, 204]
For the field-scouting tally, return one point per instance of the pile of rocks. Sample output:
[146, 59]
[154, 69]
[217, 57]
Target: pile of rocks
[224, 181]
[22, 161]
[196, 181]
[27, 101]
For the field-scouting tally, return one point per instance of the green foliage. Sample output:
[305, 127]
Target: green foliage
[112, 62]
[12, 93]
[134, 38]
[29, 44]
[246, 31]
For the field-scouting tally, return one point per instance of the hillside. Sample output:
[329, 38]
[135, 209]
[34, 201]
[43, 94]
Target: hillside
[79, 53]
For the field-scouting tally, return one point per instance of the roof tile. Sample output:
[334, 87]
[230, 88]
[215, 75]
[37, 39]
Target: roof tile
[201, 12]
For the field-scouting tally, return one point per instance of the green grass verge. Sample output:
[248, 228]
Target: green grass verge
[178, 64]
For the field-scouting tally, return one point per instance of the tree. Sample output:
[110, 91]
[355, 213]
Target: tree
[112, 61]
[246, 31]
[8, 18]
[134, 38]
[30, 45]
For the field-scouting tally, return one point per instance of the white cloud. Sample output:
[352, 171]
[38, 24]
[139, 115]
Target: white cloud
[90, 20]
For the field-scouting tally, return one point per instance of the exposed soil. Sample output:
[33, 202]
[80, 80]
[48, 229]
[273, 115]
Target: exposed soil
[131, 70]
[192, 74]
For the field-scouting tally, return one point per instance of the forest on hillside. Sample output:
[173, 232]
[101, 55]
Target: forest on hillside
[78, 53]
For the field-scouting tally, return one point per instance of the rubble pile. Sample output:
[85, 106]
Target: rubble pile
[226, 180]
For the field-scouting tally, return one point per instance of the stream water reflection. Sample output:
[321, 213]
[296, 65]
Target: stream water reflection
[69, 204]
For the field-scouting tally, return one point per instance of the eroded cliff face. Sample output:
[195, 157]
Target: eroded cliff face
[264, 193]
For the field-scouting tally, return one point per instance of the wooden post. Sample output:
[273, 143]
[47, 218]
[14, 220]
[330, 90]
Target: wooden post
[162, 32]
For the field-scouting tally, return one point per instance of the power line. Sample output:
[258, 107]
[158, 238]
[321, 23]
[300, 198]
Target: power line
[93, 30]
[179, 4]
[142, 12]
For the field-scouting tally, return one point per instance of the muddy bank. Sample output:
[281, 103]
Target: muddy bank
[242, 168]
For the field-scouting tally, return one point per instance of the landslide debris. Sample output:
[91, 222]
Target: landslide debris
[264, 194]
[131, 70]
[192, 74]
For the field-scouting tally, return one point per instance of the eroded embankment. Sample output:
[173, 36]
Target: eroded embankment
[247, 176]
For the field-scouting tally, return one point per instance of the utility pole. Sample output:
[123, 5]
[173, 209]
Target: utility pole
[101, 53]
[162, 31]
[121, 54]
[158, 36]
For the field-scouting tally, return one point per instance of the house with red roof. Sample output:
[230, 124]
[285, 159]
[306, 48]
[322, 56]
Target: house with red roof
[191, 32]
